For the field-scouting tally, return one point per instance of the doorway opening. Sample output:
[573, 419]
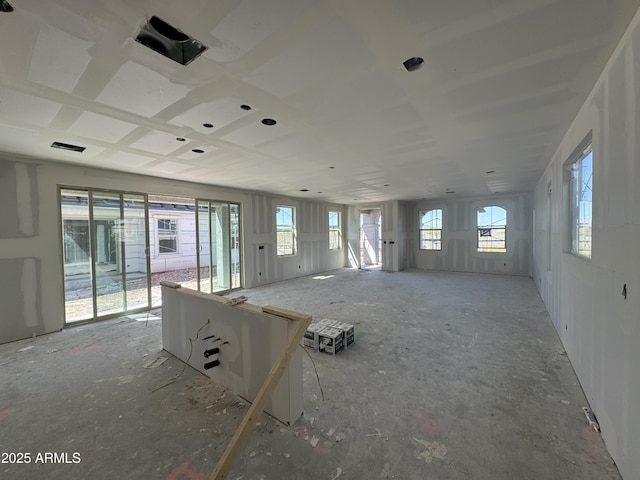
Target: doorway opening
[371, 239]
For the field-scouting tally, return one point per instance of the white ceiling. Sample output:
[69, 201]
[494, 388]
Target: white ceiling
[501, 82]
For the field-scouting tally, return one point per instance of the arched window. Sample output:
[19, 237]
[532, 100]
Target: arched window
[492, 229]
[431, 230]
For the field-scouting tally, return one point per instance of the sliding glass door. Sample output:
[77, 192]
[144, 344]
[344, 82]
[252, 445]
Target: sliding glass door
[76, 252]
[218, 238]
[108, 253]
[104, 251]
[118, 247]
[135, 254]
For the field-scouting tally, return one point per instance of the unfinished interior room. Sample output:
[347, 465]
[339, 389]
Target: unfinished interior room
[329, 239]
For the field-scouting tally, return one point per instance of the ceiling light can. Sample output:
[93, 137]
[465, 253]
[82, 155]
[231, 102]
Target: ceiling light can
[412, 64]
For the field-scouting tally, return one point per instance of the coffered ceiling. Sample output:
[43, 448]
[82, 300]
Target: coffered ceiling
[500, 84]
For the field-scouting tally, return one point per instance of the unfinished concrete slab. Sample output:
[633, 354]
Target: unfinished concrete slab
[451, 376]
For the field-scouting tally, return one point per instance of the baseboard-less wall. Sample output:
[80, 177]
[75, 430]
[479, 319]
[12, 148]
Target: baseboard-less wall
[30, 246]
[460, 236]
[598, 326]
[263, 266]
[250, 344]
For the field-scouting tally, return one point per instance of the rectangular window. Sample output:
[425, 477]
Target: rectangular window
[335, 235]
[286, 230]
[492, 229]
[580, 195]
[167, 235]
[431, 230]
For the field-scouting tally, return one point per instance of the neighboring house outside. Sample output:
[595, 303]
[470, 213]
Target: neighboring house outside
[172, 238]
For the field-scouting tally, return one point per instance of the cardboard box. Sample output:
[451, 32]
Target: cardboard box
[330, 340]
[310, 338]
[348, 332]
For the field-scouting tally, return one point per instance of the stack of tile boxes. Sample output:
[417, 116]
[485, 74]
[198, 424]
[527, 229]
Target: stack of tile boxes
[329, 336]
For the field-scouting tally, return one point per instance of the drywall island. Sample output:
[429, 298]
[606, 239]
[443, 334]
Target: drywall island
[234, 345]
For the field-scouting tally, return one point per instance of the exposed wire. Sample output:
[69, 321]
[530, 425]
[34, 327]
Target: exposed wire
[314, 368]
[186, 363]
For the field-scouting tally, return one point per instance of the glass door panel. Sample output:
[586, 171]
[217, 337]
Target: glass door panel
[135, 252]
[204, 247]
[236, 281]
[220, 248]
[76, 245]
[173, 243]
[218, 237]
[108, 253]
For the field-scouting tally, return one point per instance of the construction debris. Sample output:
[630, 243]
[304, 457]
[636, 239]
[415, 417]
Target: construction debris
[591, 418]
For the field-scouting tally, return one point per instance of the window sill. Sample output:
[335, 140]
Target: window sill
[579, 257]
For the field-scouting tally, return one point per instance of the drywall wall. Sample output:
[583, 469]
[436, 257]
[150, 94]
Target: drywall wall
[460, 236]
[29, 189]
[599, 327]
[393, 235]
[255, 342]
[20, 281]
[262, 265]
[19, 200]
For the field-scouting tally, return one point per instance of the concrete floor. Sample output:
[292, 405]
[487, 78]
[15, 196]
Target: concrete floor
[452, 376]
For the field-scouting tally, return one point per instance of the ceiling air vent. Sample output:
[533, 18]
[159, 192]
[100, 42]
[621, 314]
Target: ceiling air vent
[67, 146]
[158, 35]
[5, 7]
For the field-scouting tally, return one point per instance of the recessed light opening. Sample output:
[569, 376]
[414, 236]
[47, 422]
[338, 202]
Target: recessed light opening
[68, 146]
[490, 171]
[304, 189]
[181, 139]
[412, 64]
[207, 125]
[268, 121]
[197, 150]
[245, 107]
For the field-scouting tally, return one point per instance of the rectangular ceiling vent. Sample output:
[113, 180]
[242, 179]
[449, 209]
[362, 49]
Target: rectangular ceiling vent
[167, 40]
[68, 146]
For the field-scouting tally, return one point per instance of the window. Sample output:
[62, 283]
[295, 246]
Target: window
[431, 230]
[334, 231]
[492, 229]
[167, 235]
[286, 230]
[580, 193]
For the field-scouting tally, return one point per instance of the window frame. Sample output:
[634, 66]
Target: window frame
[292, 226]
[164, 236]
[481, 230]
[580, 223]
[336, 229]
[431, 230]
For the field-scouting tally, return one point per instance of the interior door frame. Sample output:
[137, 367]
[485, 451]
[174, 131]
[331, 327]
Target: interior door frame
[379, 251]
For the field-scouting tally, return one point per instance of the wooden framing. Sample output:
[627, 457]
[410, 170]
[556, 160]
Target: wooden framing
[250, 419]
